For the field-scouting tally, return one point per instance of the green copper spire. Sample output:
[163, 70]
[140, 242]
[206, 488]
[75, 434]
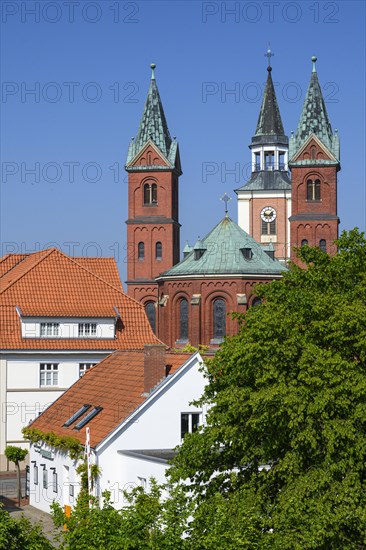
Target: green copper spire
[269, 120]
[153, 125]
[314, 119]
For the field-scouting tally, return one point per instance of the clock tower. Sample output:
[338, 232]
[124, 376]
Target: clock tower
[153, 229]
[314, 162]
[264, 202]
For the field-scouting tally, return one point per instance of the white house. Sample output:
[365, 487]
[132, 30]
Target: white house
[134, 424]
[59, 316]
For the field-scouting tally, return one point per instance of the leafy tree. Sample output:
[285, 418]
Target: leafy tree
[147, 522]
[16, 455]
[282, 461]
[16, 534]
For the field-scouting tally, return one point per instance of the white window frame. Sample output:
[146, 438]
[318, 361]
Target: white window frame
[52, 370]
[190, 415]
[84, 367]
[50, 330]
[87, 330]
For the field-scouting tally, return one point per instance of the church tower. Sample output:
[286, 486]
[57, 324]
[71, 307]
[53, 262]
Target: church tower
[153, 229]
[264, 202]
[314, 163]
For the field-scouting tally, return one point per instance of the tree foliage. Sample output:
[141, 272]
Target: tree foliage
[16, 455]
[16, 534]
[281, 463]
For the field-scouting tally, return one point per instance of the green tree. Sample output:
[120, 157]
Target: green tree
[282, 461]
[146, 522]
[20, 534]
[16, 455]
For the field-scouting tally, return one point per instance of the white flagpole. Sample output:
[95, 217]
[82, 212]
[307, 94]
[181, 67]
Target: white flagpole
[88, 462]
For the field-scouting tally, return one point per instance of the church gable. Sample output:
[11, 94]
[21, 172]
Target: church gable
[149, 156]
[313, 150]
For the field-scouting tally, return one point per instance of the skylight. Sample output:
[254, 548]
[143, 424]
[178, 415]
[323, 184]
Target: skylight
[75, 416]
[87, 418]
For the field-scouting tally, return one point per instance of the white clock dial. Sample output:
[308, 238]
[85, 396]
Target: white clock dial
[268, 214]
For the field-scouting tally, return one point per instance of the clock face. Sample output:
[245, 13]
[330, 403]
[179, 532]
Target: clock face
[268, 214]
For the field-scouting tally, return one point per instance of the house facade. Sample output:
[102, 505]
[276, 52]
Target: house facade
[141, 401]
[59, 317]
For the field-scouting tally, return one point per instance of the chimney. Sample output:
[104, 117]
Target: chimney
[154, 365]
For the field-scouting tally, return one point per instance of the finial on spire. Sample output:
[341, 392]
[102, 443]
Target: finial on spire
[152, 67]
[269, 54]
[314, 59]
[225, 198]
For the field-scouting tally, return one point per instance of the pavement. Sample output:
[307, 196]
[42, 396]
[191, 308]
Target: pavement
[8, 497]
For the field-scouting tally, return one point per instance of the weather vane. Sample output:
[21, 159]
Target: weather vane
[269, 54]
[225, 198]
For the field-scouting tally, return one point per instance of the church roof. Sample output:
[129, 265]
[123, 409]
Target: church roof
[224, 256]
[269, 121]
[153, 125]
[314, 119]
[265, 180]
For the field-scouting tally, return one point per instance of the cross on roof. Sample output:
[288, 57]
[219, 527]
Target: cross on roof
[225, 198]
[269, 54]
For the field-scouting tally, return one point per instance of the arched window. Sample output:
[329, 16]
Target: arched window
[141, 251]
[304, 242]
[183, 320]
[150, 193]
[323, 245]
[219, 319]
[151, 314]
[158, 251]
[256, 302]
[313, 190]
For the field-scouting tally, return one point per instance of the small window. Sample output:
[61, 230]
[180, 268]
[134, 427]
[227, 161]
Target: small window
[256, 302]
[142, 482]
[219, 319]
[281, 159]
[54, 480]
[257, 157]
[45, 478]
[88, 418]
[87, 330]
[269, 160]
[71, 490]
[35, 474]
[247, 253]
[159, 251]
[189, 423]
[49, 374]
[49, 330]
[323, 245]
[304, 242]
[150, 193]
[183, 320]
[78, 413]
[268, 228]
[313, 190]
[141, 251]
[84, 367]
[151, 314]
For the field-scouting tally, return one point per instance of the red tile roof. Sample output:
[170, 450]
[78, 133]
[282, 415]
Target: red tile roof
[116, 384]
[51, 284]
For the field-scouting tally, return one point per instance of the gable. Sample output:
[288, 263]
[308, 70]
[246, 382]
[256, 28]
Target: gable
[313, 149]
[150, 155]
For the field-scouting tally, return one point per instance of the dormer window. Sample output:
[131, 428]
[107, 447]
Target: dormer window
[49, 330]
[150, 194]
[247, 253]
[87, 330]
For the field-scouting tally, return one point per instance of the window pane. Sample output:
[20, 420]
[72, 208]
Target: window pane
[323, 245]
[146, 193]
[154, 192]
[183, 424]
[219, 318]
[158, 250]
[141, 251]
[195, 422]
[317, 190]
[309, 190]
[151, 314]
[183, 319]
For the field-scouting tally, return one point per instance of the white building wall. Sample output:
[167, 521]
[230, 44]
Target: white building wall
[68, 327]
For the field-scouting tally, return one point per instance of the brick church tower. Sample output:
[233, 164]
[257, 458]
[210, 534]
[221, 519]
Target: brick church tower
[314, 163]
[264, 202]
[153, 229]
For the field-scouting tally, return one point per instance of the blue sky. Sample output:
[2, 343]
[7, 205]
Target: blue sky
[88, 66]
